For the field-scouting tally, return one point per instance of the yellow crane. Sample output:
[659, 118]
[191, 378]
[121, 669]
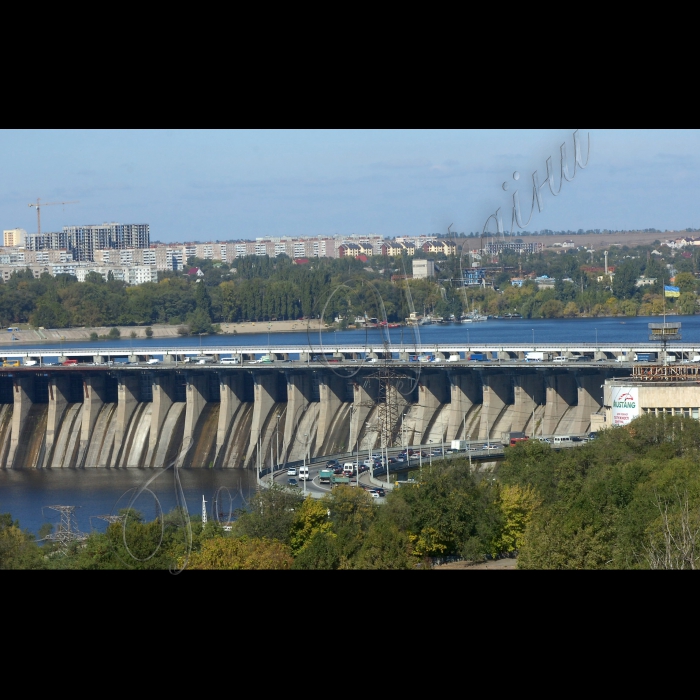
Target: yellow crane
[40, 204]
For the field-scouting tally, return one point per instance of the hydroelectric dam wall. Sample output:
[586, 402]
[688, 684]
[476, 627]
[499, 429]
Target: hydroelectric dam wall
[92, 417]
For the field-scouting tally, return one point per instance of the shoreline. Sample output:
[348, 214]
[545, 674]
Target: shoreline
[56, 335]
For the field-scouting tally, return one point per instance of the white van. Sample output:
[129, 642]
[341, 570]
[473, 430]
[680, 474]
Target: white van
[304, 473]
[229, 361]
[558, 439]
[349, 468]
[453, 358]
[696, 358]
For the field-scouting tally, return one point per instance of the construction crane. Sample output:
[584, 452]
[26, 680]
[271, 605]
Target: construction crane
[40, 204]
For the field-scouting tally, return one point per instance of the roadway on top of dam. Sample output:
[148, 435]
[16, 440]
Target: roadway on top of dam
[152, 350]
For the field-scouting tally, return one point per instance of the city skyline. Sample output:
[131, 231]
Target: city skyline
[196, 185]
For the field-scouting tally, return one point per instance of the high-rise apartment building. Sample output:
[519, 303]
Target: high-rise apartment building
[15, 237]
[85, 240]
[53, 240]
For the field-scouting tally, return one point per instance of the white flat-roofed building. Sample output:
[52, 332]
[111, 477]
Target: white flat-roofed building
[422, 269]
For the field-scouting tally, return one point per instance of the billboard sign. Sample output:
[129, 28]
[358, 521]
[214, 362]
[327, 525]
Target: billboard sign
[625, 404]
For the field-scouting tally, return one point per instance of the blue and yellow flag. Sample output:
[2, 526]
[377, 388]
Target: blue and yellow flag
[672, 291]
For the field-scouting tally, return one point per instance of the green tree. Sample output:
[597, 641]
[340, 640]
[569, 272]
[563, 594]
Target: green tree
[310, 519]
[232, 553]
[686, 282]
[625, 280]
[271, 515]
[17, 548]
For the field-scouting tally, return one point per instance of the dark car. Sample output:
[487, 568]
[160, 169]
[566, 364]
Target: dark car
[338, 470]
[292, 482]
[592, 436]
[381, 492]
[363, 468]
[333, 464]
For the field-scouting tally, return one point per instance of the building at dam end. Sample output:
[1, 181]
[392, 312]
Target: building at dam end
[675, 394]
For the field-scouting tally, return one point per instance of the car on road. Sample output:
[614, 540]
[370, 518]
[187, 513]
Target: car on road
[338, 471]
[560, 358]
[292, 482]
[292, 471]
[373, 493]
[153, 361]
[30, 363]
[332, 464]
[491, 446]
[230, 361]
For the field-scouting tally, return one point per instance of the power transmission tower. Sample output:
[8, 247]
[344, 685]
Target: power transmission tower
[67, 530]
[390, 383]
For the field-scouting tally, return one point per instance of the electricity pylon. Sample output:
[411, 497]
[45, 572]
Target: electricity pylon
[67, 530]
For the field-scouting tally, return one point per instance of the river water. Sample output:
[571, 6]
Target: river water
[26, 493]
[103, 491]
[575, 330]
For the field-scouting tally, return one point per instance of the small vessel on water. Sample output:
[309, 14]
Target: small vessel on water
[473, 317]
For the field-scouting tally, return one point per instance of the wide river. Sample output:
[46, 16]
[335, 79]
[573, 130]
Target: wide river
[25, 493]
[576, 330]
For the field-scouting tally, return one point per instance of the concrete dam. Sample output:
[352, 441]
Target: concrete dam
[90, 417]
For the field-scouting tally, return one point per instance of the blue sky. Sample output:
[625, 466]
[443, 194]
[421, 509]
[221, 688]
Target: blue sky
[209, 185]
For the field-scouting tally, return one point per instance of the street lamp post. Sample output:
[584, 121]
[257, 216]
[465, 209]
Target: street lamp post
[442, 436]
[277, 439]
[596, 338]
[430, 453]
[306, 474]
[533, 338]
[420, 460]
[369, 454]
